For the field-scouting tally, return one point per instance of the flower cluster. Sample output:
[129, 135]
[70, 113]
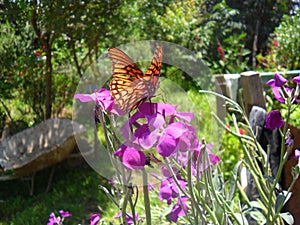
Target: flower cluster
[158, 126]
[158, 130]
[129, 217]
[58, 220]
[281, 92]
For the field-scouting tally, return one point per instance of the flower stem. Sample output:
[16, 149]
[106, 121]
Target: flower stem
[146, 197]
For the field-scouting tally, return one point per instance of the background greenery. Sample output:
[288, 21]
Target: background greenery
[46, 47]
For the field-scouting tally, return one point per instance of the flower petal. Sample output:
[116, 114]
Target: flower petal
[94, 219]
[166, 145]
[297, 79]
[133, 159]
[274, 120]
[279, 80]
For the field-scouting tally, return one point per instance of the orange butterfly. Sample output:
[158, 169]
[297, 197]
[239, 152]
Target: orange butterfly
[130, 86]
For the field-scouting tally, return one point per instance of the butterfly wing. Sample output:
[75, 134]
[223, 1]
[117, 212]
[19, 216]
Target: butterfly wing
[152, 74]
[129, 86]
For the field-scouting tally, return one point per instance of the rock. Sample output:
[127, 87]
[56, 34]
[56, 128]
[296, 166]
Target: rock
[40, 146]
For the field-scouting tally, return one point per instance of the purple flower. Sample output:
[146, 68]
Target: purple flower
[297, 153]
[64, 213]
[297, 79]
[277, 94]
[177, 136]
[167, 110]
[129, 217]
[167, 145]
[179, 209]
[274, 120]
[103, 99]
[169, 190]
[277, 84]
[278, 81]
[132, 158]
[94, 219]
[213, 159]
[53, 219]
[166, 172]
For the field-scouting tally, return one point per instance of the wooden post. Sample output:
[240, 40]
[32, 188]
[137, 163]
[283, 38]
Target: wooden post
[252, 91]
[221, 88]
[292, 205]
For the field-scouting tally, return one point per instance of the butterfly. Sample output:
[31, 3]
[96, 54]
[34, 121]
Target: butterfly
[129, 86]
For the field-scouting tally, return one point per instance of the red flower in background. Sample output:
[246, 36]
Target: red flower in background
[221, 52]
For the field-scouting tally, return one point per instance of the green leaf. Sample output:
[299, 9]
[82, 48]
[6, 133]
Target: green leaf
[236, 172]
[258, 217]
[241, 218]
[283, 196]
[288, 218]
[256, 204]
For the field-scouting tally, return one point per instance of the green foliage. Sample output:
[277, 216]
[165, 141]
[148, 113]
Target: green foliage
[231, 153]
[235, 56]
[73, 190]
[259, 18]
[288, 35]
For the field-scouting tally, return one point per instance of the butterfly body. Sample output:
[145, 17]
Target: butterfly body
[130, 86]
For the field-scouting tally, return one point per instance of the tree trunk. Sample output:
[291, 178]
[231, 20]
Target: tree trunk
[46, 38]
[48, 82]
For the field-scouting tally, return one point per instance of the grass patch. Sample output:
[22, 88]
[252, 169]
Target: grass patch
[72, 189]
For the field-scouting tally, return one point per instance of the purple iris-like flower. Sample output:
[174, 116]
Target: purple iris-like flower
[102, 98]
[53, 219]
[132, 159]
[95, 218]
[179, 209]
[274, 120]
[64, 213]
[129, 217]
[297, 79]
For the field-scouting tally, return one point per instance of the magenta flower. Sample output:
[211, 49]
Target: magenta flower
[103, 99]
[274, 120]
[297, 79]
[213, 160]
[277, 84]
[53, 219]
[64, 214]
[94, 219]
[169, 190]
[297, 153]
[177, 210]
[132, 159]
[129, 217]
[278, 81]
[177, 136]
